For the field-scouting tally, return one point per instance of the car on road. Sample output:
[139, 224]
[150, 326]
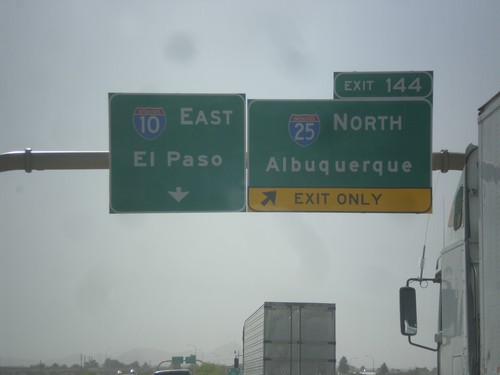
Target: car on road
[173, 372]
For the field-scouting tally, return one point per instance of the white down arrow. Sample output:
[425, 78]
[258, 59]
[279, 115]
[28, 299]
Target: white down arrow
[178, 194]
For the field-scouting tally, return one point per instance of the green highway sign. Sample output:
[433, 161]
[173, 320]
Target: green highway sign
[177, 152]
[177, 360]
[382, 85]
[191, 360]
[349, 156]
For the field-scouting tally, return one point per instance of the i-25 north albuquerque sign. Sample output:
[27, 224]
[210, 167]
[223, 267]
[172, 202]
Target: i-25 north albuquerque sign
[312, 155]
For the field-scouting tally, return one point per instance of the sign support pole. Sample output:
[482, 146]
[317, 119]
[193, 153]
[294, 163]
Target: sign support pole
[29, 160]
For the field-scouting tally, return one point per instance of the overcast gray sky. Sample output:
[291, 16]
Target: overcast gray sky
[75, 279]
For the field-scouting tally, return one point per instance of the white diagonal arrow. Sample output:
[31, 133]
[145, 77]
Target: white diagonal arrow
[178, 194]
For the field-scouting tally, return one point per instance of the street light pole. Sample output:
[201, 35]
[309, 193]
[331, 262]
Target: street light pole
[373, 362]
[349, 363]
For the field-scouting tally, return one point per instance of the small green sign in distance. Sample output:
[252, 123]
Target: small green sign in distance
[177, 360]
[383, 85]
[177, 152]
[191, 360]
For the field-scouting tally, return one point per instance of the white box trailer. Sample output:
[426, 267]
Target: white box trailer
[489, 236]
[283, 338]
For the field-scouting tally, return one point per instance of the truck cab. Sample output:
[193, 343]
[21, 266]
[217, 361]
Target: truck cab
[468, 270]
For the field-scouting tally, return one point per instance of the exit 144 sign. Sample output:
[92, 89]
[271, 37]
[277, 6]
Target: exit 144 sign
[177, 153]
[383, 85]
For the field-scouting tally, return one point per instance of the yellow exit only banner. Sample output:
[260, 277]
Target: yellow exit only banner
[392, 200]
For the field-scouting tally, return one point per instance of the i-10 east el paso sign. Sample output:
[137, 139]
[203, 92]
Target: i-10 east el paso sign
[177, 152]
[339, 156]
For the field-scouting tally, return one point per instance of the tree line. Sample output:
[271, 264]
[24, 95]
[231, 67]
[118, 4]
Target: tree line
[345, 367]
[110, 366]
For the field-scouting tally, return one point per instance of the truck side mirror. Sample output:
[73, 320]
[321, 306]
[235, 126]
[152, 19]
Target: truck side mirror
[408, 311]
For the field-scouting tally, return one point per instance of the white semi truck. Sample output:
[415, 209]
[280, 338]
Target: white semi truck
[468, 269]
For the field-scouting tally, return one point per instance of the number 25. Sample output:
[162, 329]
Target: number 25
[305, 132]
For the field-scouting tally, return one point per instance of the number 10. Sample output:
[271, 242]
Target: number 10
[151, 126]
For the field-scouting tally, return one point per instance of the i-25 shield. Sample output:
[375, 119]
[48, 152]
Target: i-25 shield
[304, 129]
